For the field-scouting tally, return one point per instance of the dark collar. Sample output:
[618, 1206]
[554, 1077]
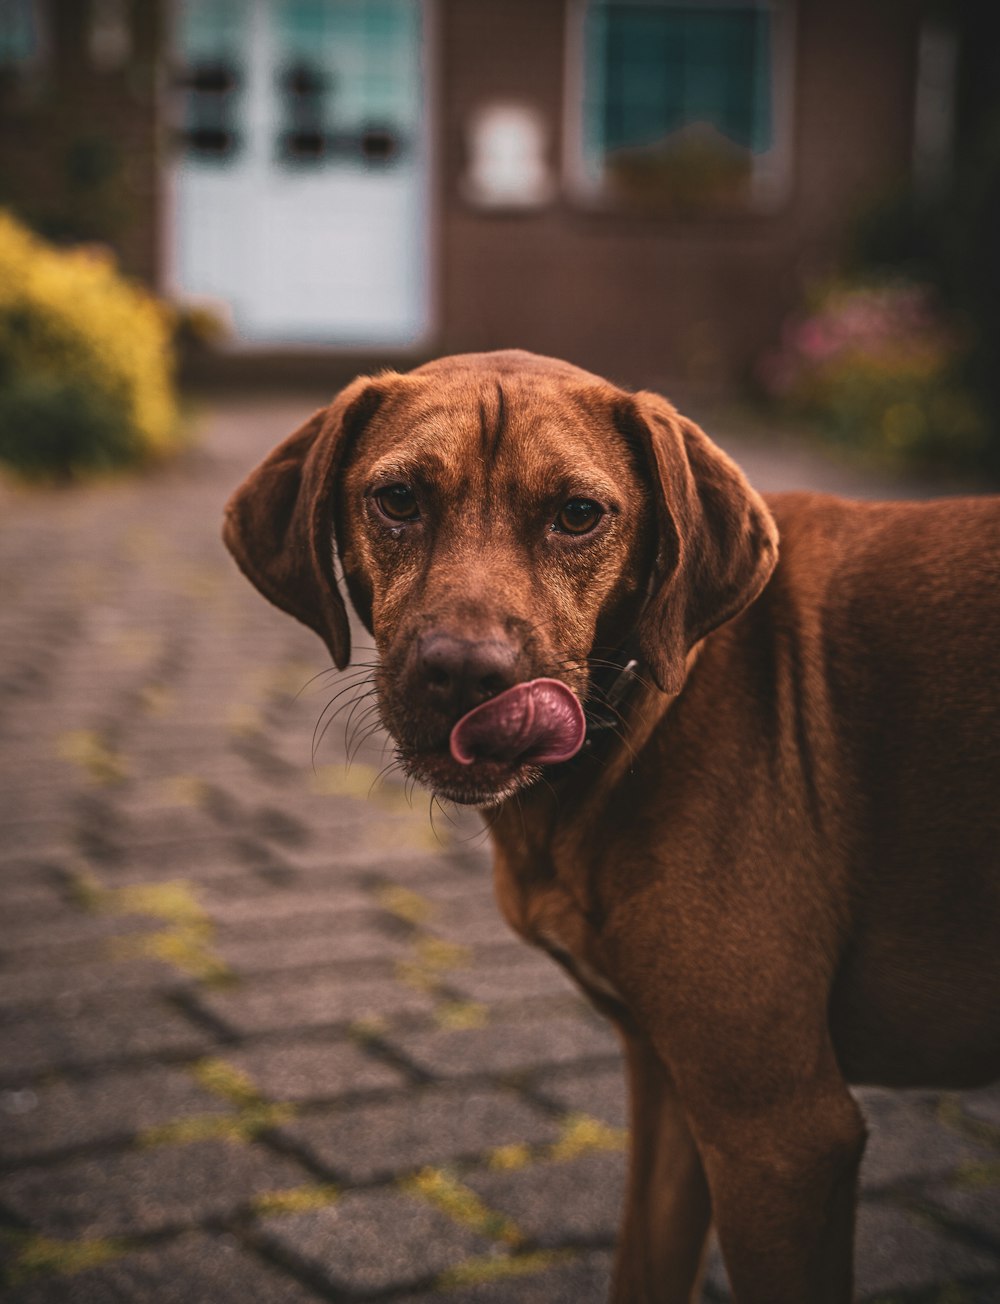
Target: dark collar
[612, 684]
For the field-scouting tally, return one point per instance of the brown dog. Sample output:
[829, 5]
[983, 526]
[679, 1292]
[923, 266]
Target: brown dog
[768, 840]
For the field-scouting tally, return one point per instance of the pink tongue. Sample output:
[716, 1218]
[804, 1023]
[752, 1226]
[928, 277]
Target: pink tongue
[540, 721]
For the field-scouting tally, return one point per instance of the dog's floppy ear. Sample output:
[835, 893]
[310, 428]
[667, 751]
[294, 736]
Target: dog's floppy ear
[279, 522]
[718, 543]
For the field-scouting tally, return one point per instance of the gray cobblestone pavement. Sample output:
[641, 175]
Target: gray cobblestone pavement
[265, 1037]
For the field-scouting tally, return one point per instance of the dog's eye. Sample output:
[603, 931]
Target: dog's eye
[398, 502]
[579, 516]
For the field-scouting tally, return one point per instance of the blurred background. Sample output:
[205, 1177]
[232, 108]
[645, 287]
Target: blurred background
[771, 197]
[264, 1036]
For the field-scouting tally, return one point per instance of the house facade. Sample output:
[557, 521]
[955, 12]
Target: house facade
[642, 186]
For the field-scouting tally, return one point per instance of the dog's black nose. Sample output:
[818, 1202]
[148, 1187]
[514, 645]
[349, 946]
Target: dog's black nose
[457, 673]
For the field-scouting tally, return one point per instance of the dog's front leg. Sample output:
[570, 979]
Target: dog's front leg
[783, 1187]
[667, 1208]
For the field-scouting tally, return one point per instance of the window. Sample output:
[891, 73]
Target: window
[333, 79]
[683, 107]
[345, 79]
[20, 33]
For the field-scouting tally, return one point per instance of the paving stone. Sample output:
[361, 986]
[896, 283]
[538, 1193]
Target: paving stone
[43, 838]
[600, 1093]
[528, 977]
[429, 1126]
[69, 927]
[64, 984]
[335, 943]
[505, 1047]
[462, 887]
[585, 1279]
[144, 1189]
[474, 921]
[274, 904]
[983, 1105]
[391, 837]
[283, 1002]
[201, 863]
[24, 875]
[715, 1282]
[193, 1269]
[97, 1109]
[186, 859]
[972, 1204]
[559, 1203]
[31, 907]
[895, 1252]
[377, 1240]
[87, 1030]
[164, 822]
[328, 862]
[907, 1142]
[313, 1071]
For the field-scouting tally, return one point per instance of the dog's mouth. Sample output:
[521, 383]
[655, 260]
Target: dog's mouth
[500, 746]
[540, 722]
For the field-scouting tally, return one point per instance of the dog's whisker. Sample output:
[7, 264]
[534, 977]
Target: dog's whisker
[357, 669]
[409, 788]
[430, 816]
[320, 674]
[382, 775]
[365, 714]
[318, 741]
[355, 684]
[349, 688]
[361, 730]
[321, 726]
[360, 740]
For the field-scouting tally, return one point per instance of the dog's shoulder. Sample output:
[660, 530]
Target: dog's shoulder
[942, 546]
[900, 592]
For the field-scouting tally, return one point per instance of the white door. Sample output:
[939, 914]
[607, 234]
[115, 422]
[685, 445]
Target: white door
[301, 182]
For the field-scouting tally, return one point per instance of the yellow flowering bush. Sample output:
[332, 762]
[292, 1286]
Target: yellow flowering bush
[86, 361]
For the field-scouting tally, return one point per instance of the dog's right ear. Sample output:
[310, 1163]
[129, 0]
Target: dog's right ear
[279, 522]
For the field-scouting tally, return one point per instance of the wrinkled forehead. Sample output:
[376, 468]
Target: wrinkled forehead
[465, 431]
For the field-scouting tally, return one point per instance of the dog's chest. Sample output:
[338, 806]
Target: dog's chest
[547, 916]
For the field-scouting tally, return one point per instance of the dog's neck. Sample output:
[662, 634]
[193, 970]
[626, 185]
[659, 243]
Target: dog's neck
[540, 835]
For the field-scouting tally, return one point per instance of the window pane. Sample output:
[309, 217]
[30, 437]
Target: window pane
[19, 36]
[655, 69]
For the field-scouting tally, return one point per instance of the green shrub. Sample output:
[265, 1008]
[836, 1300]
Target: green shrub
[85, 362]
[881, 373]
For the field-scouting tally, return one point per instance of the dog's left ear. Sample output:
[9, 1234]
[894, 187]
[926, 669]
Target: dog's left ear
[718, 543]
[279, 522]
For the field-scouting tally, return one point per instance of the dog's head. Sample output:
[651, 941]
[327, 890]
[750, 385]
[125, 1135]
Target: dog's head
[505, 524]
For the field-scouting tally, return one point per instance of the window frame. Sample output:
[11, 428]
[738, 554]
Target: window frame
[772, 176]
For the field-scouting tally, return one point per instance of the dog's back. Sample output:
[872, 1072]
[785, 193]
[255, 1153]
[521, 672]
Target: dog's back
[893, 614]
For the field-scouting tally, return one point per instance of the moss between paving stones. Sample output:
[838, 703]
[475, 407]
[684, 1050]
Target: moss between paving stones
[225, 1080]
[42, 1255]
[478, 1272]
[93, 754]
[185, 943]
[582, 1135]
[441, 1188]
[298, 1199]
[244, 1127]
[404, 903]
[460, 1015]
